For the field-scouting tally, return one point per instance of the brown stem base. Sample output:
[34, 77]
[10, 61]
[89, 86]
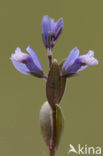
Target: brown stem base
[50, 60]
[52, 152]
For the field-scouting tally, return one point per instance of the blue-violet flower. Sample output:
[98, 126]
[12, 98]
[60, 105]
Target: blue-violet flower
[28, 65]
[75, 63]
[51, 31]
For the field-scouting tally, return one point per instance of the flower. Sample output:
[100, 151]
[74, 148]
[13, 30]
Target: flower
[51, 31]
[75, 63]
[28, 65]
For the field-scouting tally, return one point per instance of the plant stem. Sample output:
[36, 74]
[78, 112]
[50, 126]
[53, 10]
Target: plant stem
[50, 60]
[49, 52]
[52, 153]
[45, 77]
[53, 138]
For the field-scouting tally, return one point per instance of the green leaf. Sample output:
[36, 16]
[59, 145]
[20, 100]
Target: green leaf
[61, 64]
[59, 124]
[62, 83]
[62, 89]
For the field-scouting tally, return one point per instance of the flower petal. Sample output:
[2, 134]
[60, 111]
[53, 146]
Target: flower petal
[74, 67]
[48, 26]
[22, 61]
[79, 64]
[88, 59]
[19, 56]
[34, 57]
[59, 27]
[91, 53]
[51, 31]
[21, 68]
[70, 59]
[82, 68]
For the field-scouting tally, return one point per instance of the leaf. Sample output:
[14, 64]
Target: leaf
[62, 83]
[45, 122]
[61, 64]
[62, 89]
[59, 124]
[53, 84]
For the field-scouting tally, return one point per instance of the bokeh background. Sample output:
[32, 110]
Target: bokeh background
[21, 96]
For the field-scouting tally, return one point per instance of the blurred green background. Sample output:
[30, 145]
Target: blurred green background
[21, 96]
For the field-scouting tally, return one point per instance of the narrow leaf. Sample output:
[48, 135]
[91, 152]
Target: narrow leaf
[62, 83]
[62, 88]
[53, 84]
[59, 124]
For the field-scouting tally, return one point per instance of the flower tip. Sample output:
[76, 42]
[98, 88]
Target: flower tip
[91, 52]
[62, 21]
[10, 58]
[28, 48]
[75, 51]
[76, 48]
[17, 50]
[91, 55]
[45, 18]
[96, 62]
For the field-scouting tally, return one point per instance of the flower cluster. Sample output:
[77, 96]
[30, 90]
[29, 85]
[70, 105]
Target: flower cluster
[51, 30]
[29, 64]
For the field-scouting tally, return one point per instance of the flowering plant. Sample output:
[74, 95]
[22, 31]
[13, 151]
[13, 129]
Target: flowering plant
[51, 116]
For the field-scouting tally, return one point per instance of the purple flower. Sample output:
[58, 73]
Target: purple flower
[51, 31]
[27, 64]
[75, 63]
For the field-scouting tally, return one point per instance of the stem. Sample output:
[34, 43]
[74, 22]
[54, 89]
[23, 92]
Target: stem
[53, 138]
[50, 60]
[52, 153]
[49, 52]
[45, 77]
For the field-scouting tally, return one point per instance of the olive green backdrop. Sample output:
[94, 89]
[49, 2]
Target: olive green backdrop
[21, 96]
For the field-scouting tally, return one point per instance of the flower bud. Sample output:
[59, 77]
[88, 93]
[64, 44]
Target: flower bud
[51, 31]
